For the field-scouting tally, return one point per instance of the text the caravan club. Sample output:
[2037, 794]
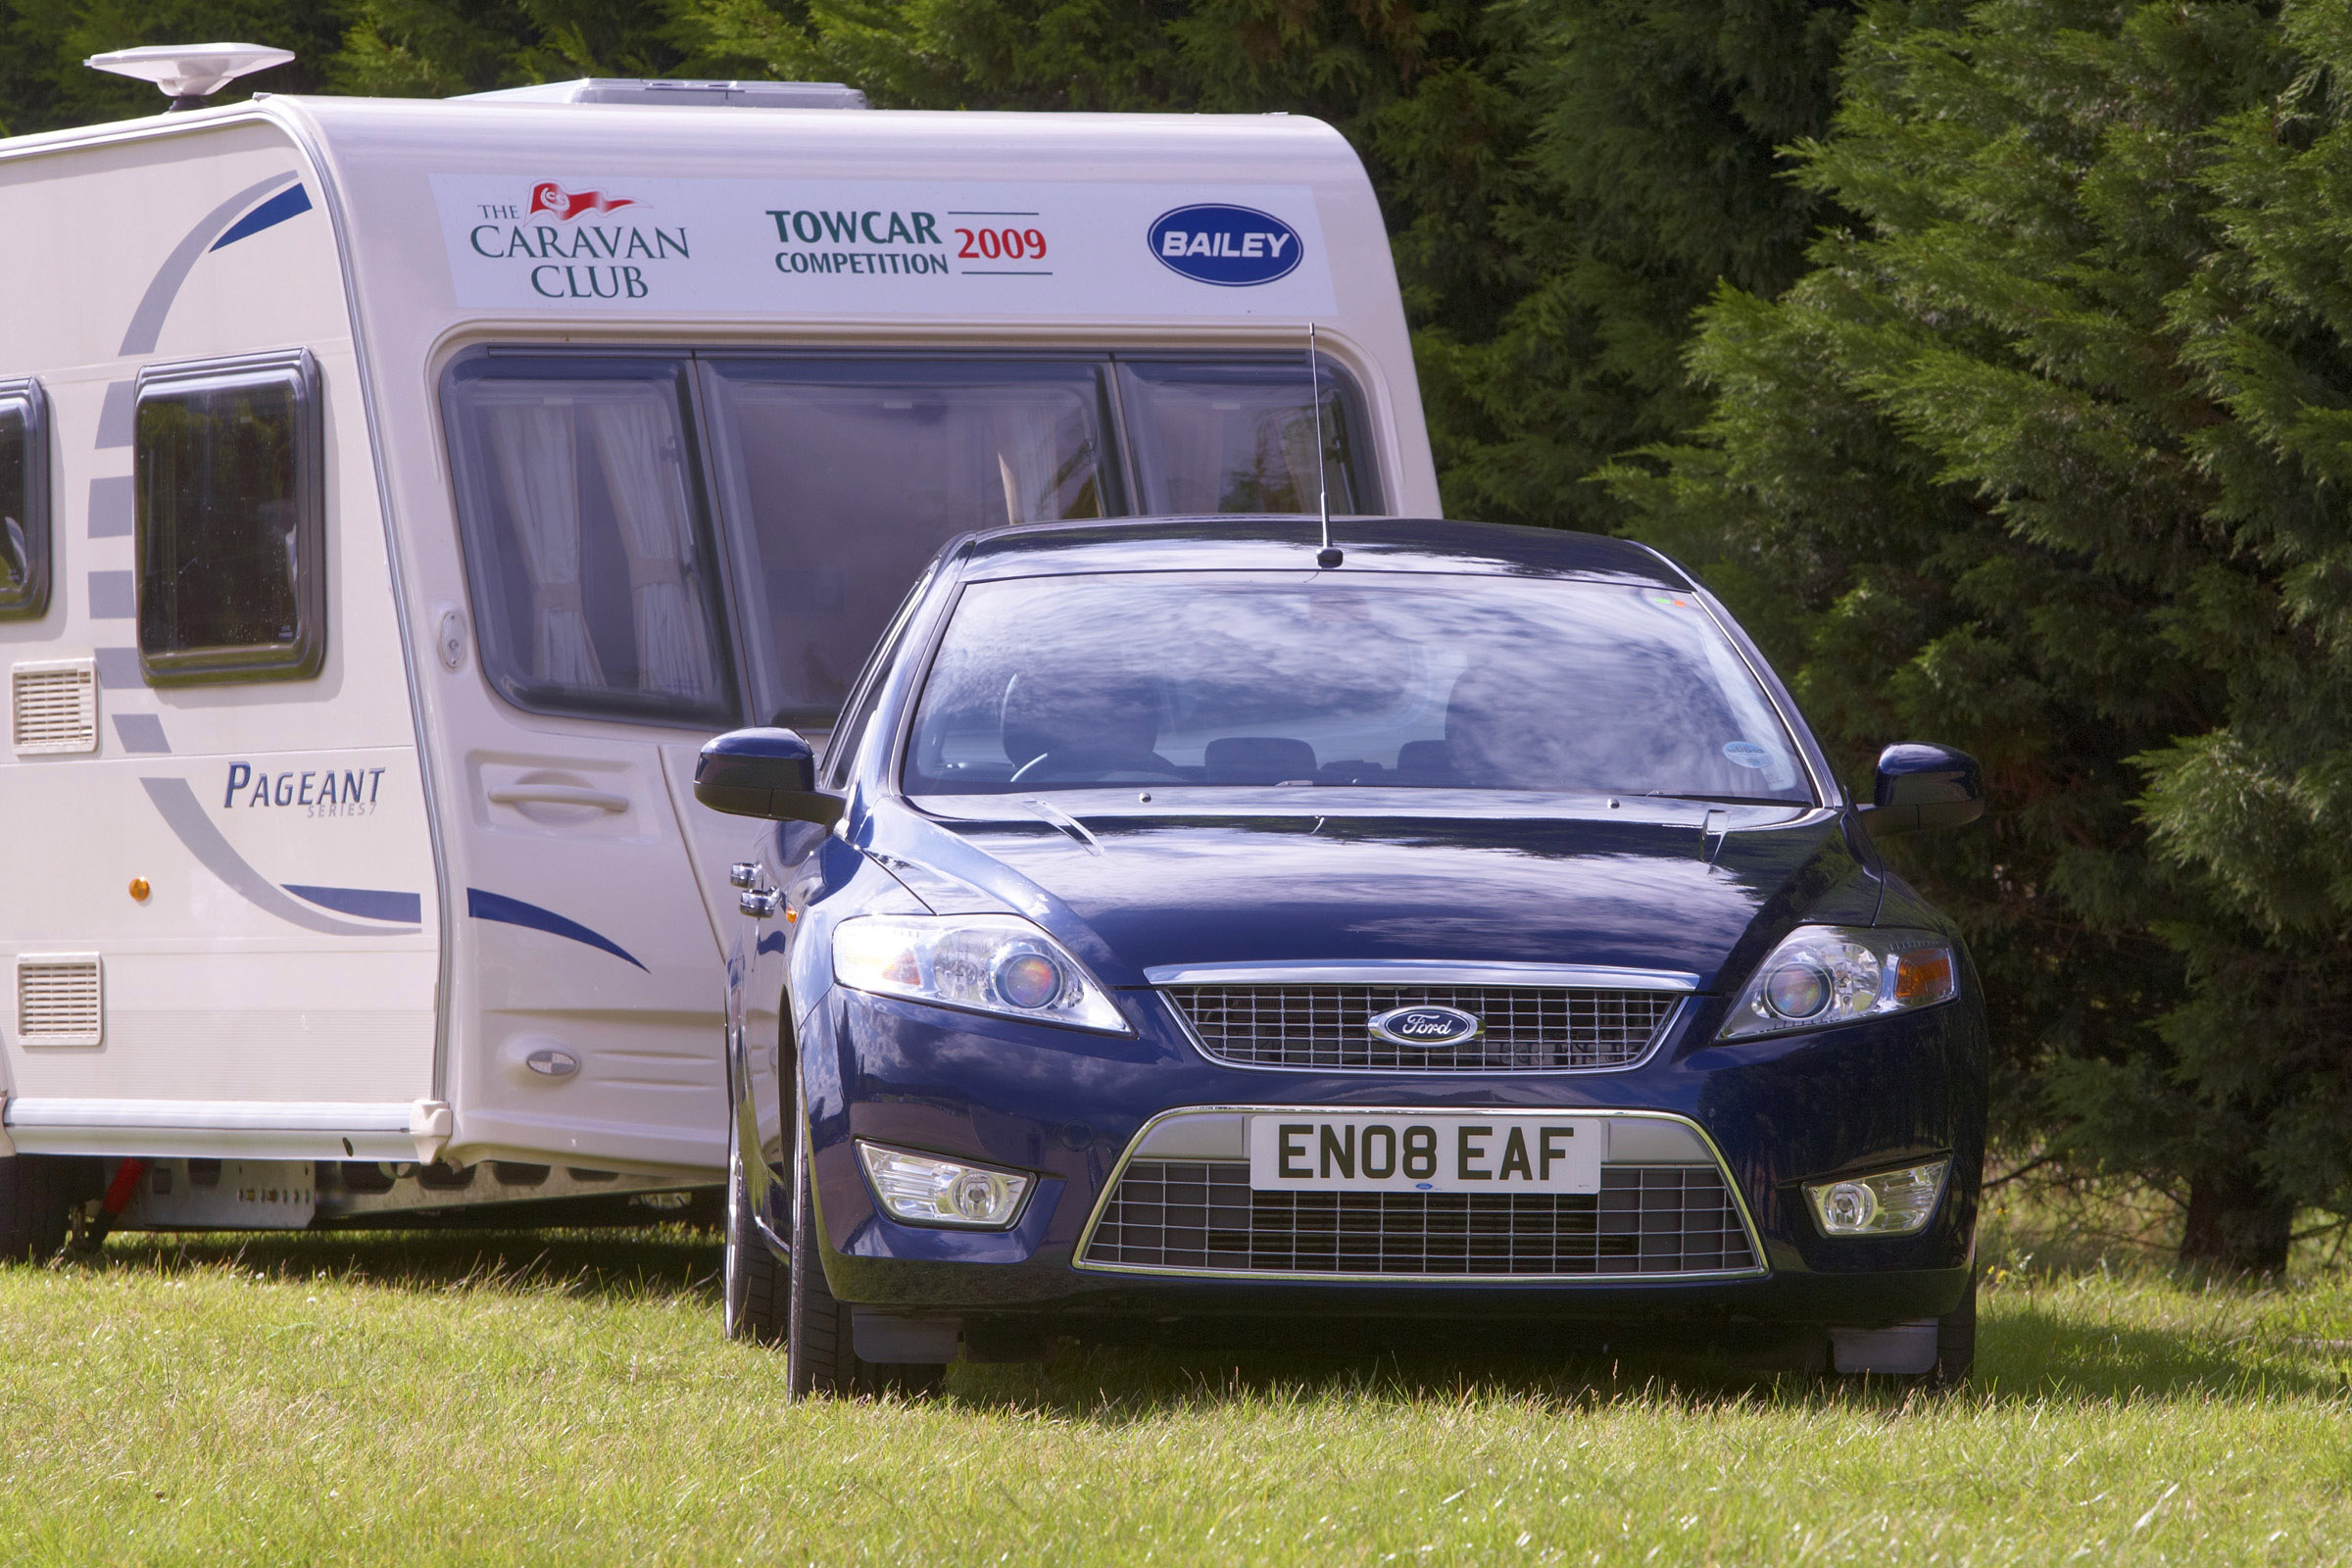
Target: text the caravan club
[570, 260]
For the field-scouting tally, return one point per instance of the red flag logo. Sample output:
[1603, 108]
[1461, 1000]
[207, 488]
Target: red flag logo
[549, 197]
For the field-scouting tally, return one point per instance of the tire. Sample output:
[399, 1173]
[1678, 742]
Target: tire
[819, 1354]
[1956, 1341]
[34, 1203]
[758, 1300]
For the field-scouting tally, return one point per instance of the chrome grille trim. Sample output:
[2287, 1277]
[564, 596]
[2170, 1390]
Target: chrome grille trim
[1323, 1027]
[1646, 1222]
[1742, 1248]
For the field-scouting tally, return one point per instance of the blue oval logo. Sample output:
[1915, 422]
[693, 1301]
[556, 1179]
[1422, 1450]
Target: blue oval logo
[1232, 247]
[1425, 1028]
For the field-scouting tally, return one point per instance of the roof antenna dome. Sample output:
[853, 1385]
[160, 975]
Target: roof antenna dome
[190, 73]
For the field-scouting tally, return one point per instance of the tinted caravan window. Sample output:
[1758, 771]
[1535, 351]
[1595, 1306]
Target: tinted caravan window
[232, 537]
[595, 585]
[845, 475]
[23, 501]
[1240, 437]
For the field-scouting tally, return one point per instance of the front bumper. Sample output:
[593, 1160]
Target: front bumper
[1078, 1109]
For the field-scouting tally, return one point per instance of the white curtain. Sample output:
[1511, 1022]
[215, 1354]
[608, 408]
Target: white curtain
[534, 443]
[637, 444]
[1045, 456]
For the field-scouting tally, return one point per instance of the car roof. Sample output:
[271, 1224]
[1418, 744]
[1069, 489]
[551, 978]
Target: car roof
[1275, 543]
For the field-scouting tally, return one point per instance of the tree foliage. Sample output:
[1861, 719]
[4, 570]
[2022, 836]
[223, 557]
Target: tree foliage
[2038, 457]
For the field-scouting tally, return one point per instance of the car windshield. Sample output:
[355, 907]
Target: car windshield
[1419, 680]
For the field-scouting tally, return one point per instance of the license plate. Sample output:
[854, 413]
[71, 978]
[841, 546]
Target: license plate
[1416, 1154]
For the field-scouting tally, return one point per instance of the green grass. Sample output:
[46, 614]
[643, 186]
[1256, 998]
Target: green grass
[451, 1399]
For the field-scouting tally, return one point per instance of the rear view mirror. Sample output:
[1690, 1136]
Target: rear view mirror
[764, 772]
[1922, 787]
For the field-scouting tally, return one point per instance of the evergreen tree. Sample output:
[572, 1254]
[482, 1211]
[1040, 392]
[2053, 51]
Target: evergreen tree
[1985, 475]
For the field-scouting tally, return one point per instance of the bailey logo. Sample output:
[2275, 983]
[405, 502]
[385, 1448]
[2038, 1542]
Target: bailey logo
[1425, 1028]
[549, 197]
[1232, 247]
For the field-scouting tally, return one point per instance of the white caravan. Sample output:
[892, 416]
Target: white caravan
[397, 493]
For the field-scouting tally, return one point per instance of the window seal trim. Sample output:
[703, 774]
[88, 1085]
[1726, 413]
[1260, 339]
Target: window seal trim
[306, 656]
[31, 603]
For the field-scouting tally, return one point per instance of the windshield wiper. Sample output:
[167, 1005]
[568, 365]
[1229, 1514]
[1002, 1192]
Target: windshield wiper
[1727, 800]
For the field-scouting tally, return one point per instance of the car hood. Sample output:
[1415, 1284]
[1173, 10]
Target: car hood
[1670, 886]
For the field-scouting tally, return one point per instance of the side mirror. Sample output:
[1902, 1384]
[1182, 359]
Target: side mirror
[1922, 787]
[764, 772]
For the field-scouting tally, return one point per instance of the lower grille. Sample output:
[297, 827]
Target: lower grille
[1202, 1216]
[1328, 1026]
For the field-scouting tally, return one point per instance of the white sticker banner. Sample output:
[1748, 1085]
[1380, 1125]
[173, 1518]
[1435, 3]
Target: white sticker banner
[612, 244]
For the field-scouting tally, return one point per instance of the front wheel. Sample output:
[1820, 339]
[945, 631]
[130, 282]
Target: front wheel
[820, 1355]
[759, 1283]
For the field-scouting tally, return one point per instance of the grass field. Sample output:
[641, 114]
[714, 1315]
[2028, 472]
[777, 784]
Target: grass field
[435, 1399]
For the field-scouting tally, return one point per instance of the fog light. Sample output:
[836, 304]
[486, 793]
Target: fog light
[1894, 1202]
[925, 1190]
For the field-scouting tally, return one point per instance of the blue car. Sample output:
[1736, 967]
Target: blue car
[1451, 936]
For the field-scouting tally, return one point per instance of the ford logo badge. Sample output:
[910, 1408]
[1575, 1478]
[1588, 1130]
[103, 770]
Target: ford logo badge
[1232, 247]
[1425, 1028]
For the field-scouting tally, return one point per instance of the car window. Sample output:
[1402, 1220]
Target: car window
[841, 748]
[1416, 680]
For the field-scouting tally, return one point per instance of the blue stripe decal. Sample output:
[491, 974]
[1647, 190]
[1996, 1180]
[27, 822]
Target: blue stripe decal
[291, 202]
[366, 903]
[514, 911]
[194, 827]
[147, 322]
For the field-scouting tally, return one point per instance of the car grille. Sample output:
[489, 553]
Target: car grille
[1526, 1027]
[1202, 1216]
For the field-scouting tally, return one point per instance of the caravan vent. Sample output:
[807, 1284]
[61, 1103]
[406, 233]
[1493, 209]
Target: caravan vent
[56, 706]
[60, 1001]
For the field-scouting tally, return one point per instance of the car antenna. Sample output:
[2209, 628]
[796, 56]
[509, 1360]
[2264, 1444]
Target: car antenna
[1329, 555]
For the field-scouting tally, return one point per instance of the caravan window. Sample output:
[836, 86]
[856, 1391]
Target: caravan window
[231, 547]
[23, 501]
[1240, 437]
[594, 579]
[835, 476]
[845, 474]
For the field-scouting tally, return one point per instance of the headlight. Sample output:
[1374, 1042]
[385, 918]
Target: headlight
[926, 1189]
[1823, 974]
[1895, 1203]
[997, 963]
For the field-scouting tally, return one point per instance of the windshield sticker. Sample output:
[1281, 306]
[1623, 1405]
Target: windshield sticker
[1747, 754]
[589, 240]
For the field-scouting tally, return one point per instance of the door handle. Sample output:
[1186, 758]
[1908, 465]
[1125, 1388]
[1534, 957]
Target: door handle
[558, 794]
[760, 903]
[743, 874]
